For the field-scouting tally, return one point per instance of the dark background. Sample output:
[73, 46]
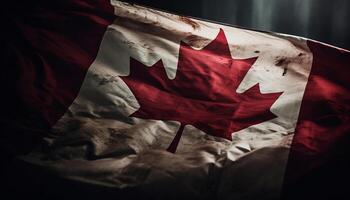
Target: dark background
[323, 20]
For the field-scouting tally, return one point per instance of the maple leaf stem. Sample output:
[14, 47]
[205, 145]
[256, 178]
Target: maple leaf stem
[172, 147]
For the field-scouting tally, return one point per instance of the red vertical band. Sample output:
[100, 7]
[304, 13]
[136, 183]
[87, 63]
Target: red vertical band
[46, 50]
[320, 147]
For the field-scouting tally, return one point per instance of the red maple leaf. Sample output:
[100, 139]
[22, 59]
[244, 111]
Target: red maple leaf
[203, 93]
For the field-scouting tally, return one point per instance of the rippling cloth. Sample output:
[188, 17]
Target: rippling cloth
[112, 100]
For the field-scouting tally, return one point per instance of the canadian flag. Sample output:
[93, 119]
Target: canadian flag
[113, 100]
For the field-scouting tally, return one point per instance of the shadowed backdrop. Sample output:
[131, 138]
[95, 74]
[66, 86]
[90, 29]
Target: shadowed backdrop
[323, 20]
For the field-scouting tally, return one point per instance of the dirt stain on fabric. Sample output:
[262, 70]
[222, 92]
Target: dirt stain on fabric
[153, 28]
[283, 62]
[196, 41]
[107, 80]
[285, 69]
[190, 22]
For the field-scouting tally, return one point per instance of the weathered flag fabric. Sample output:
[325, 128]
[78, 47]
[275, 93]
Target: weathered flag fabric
[114, 100]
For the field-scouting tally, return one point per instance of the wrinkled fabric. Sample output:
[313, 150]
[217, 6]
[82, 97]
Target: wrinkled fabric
[96, 142]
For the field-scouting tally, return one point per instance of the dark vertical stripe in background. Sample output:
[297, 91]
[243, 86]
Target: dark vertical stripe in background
[323, 20]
